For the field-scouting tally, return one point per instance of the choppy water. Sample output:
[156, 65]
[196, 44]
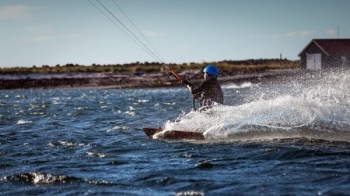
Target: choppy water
[284, 137]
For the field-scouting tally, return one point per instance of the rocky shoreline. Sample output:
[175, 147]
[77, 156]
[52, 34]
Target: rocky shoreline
[122, 80]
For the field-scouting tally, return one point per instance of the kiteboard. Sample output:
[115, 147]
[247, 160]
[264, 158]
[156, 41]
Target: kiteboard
[173, 134]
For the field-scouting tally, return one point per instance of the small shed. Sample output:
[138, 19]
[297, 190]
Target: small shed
[325, 53]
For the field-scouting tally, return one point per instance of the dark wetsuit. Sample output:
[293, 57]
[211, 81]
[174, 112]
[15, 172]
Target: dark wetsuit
[208, 93]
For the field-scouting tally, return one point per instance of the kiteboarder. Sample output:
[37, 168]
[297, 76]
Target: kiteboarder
[209, 91]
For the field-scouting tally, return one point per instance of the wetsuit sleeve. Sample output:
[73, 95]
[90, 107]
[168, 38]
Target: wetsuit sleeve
[186, 83]
[201, 88]
[197, 91]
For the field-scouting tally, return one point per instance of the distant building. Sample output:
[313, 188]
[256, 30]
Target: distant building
[325, 53]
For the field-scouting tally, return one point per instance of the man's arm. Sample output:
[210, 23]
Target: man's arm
[188, 85]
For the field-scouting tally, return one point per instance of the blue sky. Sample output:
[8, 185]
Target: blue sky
[51, 32]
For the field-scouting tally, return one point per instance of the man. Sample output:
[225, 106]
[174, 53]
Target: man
[209, 92]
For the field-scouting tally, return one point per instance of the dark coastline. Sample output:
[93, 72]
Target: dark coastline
[138, 80]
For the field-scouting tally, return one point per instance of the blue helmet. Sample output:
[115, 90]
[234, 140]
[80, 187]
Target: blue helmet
[211, 70]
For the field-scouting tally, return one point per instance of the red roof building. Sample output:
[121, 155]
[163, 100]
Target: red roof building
[326, 53]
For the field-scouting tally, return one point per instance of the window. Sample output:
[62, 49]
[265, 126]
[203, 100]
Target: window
[344, 61]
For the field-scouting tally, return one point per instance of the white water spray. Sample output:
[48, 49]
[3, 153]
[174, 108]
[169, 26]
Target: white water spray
[315, 106]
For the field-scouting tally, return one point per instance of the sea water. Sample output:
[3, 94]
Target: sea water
[286, 136]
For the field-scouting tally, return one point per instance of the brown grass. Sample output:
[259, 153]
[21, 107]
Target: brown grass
[226, 67]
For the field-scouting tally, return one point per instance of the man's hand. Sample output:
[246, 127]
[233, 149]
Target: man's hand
[185, 82]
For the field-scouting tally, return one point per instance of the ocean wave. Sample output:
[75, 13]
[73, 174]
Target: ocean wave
[96, 154]
[23, 122]
[39, 178]
[117, 128]
[239, 86]
[66, 144]
[189, 193]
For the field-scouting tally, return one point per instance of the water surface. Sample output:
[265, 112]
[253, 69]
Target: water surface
[282, 137]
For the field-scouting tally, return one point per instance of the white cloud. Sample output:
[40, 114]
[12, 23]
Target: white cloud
[306, 33]
[43, 38]
[14, 12]
[330, 31]
[39, 29]
[291, 34]
[42, 33]
[152, 34]
[294, 34]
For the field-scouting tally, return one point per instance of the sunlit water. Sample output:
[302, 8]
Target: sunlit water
[289, 136]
